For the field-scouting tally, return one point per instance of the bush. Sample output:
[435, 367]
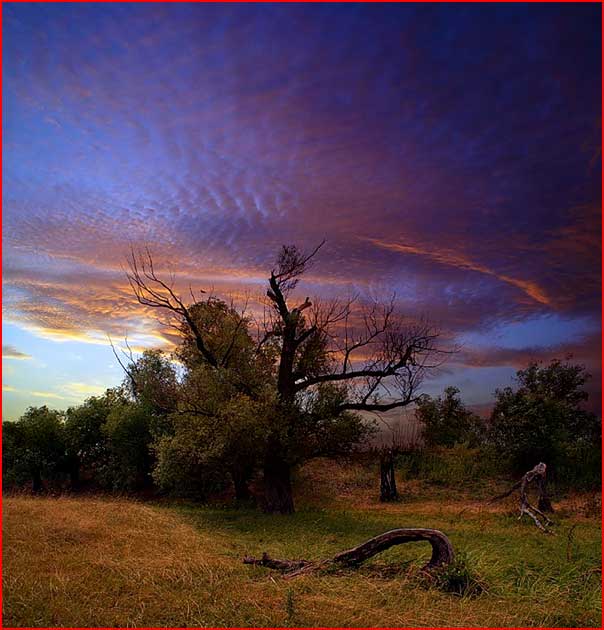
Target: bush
[34, 448]
[446, 421]
[458, 578]
[545, 420]
[181, 469]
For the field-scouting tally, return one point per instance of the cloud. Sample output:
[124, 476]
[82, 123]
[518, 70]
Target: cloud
[47, 395]
[454, 259]
[8, 388]
[10, 352]
[83, 389]
[585, 350]
[469, 170]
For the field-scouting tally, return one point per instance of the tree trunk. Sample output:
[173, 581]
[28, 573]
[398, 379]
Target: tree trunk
[241, 478]
[278, 496]
[388, 491]
[74, 476]
[544, 504]
[36, 484]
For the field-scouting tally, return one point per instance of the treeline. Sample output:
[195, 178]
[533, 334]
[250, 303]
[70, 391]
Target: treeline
[258, 398]
[145, 434]
[179, 425]
[542, 418]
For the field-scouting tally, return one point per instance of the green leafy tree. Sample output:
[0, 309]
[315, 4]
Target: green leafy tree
[227, 340]
[128, 438]
[153, 382]
[220, 421]
[85, 438]
[137, 414]
[361, 357]
[15, 471]
[226, 414]
[446, 421]
[323, 429]
[35, 446]
[207, 450]
[544, 417]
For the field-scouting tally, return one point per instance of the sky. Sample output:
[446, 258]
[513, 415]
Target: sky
[448, 153]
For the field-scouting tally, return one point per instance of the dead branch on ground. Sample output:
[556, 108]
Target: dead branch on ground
[442, 552]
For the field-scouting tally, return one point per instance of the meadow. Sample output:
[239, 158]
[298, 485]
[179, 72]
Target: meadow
[110, 561]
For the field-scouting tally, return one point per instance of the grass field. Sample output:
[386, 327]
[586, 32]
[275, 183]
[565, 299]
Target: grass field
[101, 561]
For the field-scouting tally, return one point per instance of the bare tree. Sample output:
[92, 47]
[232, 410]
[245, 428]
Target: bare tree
[377, 356]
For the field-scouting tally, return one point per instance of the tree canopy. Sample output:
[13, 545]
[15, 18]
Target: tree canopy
[446, 420]
[544, 418]
[312, 364]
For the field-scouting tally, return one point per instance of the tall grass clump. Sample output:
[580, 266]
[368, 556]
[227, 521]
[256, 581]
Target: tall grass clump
[455, 465]
[459, 578]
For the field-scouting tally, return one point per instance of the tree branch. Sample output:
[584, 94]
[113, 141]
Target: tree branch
[151, 291]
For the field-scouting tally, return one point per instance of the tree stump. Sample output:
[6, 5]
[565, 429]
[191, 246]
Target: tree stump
[388, 491]
[442, 552]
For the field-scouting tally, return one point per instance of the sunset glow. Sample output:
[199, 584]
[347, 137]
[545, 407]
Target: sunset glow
[449, 154]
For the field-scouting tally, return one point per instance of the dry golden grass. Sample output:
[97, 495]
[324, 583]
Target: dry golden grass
[116, 562]
[101, 562]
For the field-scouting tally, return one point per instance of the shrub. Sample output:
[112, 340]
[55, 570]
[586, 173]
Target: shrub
[446, 421]
[458, 578]
[544, 419]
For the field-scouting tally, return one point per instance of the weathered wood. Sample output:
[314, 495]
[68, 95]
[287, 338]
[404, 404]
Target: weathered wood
[506, 493]
[537, 475]
[388, 491]
[544, 503]
[442, 552]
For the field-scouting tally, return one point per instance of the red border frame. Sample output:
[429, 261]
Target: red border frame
[2, 2]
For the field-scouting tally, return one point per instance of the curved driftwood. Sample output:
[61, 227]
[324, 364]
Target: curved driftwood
[442, 552]
[537, 475]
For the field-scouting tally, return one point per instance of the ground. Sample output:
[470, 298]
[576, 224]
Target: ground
[105, 561]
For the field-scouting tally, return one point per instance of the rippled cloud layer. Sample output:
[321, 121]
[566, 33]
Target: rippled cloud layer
[448, 153]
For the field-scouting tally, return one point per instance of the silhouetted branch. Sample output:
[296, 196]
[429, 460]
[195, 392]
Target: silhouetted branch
[152, 291]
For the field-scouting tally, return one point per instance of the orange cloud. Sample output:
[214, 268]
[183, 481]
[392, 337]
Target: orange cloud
[454, 259]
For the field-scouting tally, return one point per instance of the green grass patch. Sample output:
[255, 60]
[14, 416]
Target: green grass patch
[115, 562]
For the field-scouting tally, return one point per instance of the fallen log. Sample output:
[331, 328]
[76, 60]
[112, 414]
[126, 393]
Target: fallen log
[442, 552]
[537, 475]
